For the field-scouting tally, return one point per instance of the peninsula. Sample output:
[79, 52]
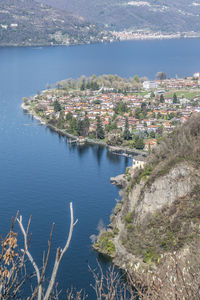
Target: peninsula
[126, 114]
[154, 228]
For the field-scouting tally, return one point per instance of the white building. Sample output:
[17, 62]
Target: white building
[14, 25]
[150, 85]
[138, 162]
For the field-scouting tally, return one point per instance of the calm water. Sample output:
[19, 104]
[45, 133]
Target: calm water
[39, 173]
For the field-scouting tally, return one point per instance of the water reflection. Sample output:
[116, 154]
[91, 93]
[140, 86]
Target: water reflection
[98, 152]
[104, 259]
[113, 158]
[82, 149]
[127, 161]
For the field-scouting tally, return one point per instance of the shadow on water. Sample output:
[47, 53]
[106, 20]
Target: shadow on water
[98, 152]
[82, 149]
[104, 259]
[126, 161]
[113, 158]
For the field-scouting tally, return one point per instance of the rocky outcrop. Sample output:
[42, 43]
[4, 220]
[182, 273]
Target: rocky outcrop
[119, 181]
[147, 199]
[156, 217]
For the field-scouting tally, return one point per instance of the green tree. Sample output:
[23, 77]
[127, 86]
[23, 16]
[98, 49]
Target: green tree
[136, 78]
[162, 99]
[97, 102]
[159, 116]
[99, 131]
[86, 126]
[139, 113]
[94, 86]
[161, 76]
[175, 99]
[121, 108]
[73, 126]
[80, 127]
[139, 143]
[112, 125]
[56, 105]
[152, 134]
[69, 116]
[83, 86]
[126, 133]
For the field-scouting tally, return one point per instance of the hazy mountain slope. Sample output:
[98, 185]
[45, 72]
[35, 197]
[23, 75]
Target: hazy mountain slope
[26, 22]
[165, 15]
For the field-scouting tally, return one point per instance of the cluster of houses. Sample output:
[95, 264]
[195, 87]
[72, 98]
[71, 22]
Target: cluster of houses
[158, 116]
[174, 83]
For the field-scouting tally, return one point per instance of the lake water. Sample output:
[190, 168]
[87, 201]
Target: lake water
[40, 173]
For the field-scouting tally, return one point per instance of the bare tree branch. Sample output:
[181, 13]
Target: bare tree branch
[59, 255]
[25, 233]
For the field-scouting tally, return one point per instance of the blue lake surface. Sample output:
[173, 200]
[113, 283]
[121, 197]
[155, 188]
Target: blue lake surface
[40, 173]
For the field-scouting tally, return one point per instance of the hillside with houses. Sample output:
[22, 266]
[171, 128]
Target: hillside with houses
[134, 113]
[29, 23]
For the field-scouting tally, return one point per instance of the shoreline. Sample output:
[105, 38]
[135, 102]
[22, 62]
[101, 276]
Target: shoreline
[126, 152]
[144, 38]
[150, 38]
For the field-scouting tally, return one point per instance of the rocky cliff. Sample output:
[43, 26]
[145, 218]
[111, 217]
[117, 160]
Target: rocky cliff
[160, 209]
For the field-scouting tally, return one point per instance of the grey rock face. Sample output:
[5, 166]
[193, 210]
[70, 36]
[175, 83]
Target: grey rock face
[163, 191]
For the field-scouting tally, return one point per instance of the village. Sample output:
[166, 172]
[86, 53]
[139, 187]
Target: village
[133, 113]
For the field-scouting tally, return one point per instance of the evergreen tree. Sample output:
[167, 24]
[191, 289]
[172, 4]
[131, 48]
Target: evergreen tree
[82, 88]
[99, 131]
[175, 100]
[73, 126]
[152, 95]
[80, 127]
[56, 105]
[161, 76]
[86, 126]
[162, 99]
[126, 133]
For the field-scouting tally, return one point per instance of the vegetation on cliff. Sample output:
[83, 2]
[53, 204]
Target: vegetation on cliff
[160, 211]
[175, 224]
[182, 145]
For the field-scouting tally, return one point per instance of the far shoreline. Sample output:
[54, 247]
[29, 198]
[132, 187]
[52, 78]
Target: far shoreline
[107, 42]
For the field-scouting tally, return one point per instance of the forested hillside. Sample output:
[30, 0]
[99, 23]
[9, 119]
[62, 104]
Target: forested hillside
[26, 22]
[165, 15]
